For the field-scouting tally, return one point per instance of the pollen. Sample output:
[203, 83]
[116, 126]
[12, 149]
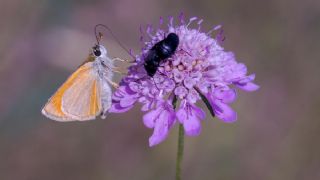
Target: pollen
[181, 67]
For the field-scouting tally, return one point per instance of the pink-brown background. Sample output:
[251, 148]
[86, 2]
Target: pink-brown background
[275, 137]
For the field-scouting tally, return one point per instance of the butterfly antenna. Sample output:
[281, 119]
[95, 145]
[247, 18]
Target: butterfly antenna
[99, 35]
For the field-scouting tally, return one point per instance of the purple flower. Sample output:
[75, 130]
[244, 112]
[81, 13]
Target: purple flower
[200, 69]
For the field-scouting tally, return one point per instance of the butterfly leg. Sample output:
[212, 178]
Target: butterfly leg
[122, 60]
[119, 59]
[113, 84]
[118, 70]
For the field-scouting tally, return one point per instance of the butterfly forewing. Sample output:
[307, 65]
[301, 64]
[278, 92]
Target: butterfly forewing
[62, 107]
[82, 100]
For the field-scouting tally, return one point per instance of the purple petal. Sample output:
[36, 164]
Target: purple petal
[180, 91]
[134, 86]
[148, 103]
[150, 118]
[248, 86]
[178, 76]
[224, 112]
[181, 18]
[117, 96]
[196, 76]
[247, 79]
[198, 112]
[127, 101]
[116, 108]
[192, 96]
[129, 91]
[161, 21]
[146, 106]
[189, 82]
[192, 125]
[227, 96]
[181, 114]
[161, 129]
[172, 119]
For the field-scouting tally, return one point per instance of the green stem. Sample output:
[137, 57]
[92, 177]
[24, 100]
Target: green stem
[180, 152]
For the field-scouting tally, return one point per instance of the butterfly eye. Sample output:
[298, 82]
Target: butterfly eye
[96, 52]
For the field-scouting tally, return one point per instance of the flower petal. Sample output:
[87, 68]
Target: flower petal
[198, 112]
[178, 76]
[227, 96]
[180, 91]
[192, 125]
[116, 108]
[128, 101]
[192, 96]
[246, 79]
[134, 86]
[224, 112]
[250, 86]
[146, 106]
[189, 82]
[181, 114]
[150, 118]
[161, 129]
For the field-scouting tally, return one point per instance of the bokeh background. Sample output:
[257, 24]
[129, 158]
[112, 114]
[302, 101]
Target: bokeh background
[275, 137]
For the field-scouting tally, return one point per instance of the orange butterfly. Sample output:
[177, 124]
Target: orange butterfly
[86, 94]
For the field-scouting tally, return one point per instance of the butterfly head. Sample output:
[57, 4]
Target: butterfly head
[99, 50]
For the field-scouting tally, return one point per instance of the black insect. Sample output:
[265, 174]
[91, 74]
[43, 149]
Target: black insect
[159, 52]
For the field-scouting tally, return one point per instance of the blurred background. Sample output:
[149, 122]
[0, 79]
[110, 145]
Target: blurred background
[43, 41]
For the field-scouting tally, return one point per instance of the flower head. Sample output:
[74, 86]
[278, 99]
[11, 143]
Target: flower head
[199, 69]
